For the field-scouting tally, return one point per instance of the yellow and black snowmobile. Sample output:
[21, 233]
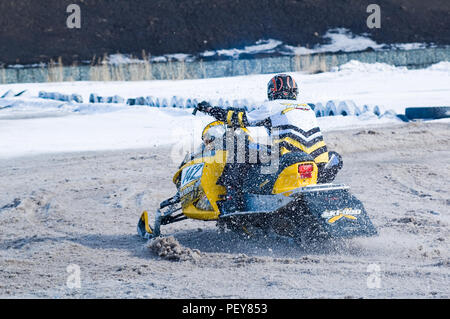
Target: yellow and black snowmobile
[286, 201]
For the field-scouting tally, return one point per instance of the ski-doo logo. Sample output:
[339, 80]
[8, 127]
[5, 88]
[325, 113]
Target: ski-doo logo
[334, 215]
[301, 107]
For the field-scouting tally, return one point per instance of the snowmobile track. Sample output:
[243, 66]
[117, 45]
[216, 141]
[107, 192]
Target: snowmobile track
[81, 209]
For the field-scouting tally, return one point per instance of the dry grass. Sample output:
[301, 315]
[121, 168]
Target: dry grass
[147, 75]
[312, 63]
[101, 69]
[202, 68]
[174, 70]
[118, 73]
[55, 71]
[182, 73]
[2, 74]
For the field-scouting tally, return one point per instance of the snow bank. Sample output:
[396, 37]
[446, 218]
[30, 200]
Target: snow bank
[357, 66]
[117, 59]
[125, 128]
[337, 39]
[341, 39]
[443, 66]
[29, 125]
[261, 46]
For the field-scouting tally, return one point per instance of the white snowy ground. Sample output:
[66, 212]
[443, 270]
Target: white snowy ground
[82, 207]
[35, 126]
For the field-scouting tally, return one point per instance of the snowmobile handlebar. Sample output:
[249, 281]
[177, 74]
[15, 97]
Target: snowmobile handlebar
[220, 113]
[202, 107]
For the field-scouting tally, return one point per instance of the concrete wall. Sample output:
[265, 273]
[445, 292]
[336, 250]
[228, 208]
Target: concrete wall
[418, 58]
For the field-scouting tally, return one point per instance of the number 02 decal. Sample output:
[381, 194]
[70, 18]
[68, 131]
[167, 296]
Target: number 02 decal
[191, 173]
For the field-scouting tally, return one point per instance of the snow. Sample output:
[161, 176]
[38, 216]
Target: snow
[159, 59]
[266, 46]
[341, 39]
[443, 66]
[83, 208]
[411, 46]
[208, 53]
[337, 39]
[179, 57]
[360, 67]
[33, 126]
[117, 59]
[298, 50]
[104, 131]
[334, 40]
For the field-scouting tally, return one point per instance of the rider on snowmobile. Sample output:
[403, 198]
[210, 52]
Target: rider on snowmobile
[291, 125]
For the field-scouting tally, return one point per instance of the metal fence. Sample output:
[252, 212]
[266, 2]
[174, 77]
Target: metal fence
[319, 62]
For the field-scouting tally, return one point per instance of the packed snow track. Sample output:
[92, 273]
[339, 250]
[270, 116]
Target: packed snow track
[80, 210]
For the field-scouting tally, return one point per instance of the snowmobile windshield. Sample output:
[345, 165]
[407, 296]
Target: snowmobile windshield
[201, 151]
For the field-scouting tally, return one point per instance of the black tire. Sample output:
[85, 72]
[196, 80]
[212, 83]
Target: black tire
[308, 231]
[402, 117]
[427, 113]
[237, 226]
[312, 106]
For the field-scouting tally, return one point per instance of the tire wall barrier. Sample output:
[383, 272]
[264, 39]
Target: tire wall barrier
[427, 113]
[330, 108]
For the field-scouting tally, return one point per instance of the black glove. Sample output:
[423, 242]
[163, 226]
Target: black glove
[233, 117]
[204, 107]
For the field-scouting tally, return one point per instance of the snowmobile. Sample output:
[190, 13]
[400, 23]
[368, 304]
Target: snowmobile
[287, 202]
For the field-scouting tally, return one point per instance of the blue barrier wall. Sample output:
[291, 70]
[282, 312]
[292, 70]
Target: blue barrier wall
[320, 62]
